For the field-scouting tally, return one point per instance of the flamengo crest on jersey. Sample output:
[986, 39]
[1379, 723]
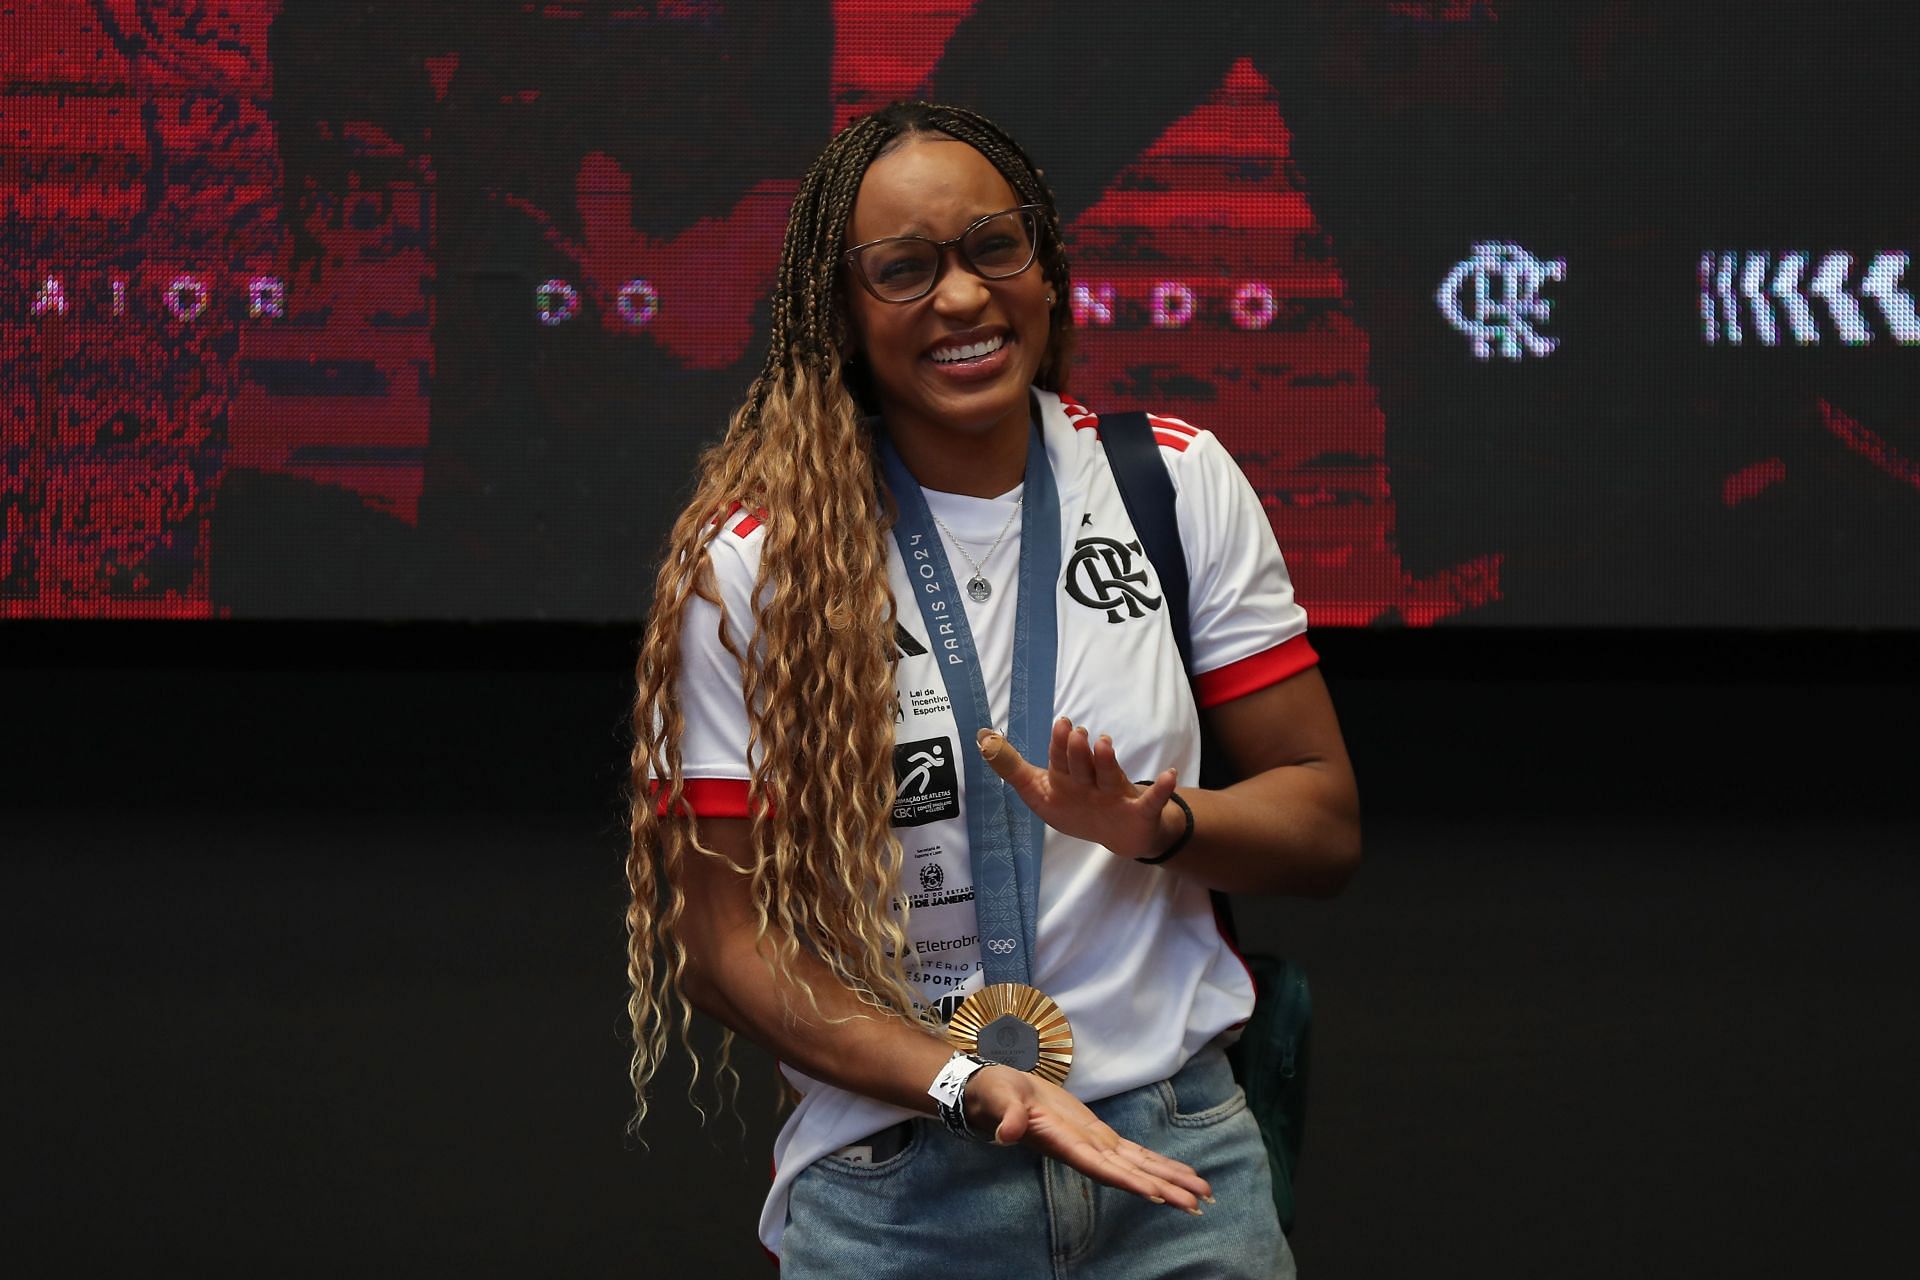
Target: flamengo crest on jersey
[1102, 575]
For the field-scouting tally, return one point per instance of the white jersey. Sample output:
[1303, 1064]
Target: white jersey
[1131, 952]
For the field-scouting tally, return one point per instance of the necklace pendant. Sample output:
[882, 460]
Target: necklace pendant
[978, 589]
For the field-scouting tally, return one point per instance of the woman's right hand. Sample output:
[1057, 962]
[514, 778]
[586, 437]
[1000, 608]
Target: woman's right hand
[882, 1057]
[1017, 1106]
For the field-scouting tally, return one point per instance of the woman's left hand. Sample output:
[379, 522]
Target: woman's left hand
[1083, 792]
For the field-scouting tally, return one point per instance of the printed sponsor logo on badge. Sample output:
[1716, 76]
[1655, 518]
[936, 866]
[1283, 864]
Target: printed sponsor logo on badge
[928, 702]
[951, 896]
[926, 946]
[926, 787]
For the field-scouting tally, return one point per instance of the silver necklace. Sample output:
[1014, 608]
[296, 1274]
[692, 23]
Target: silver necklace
[977, 586]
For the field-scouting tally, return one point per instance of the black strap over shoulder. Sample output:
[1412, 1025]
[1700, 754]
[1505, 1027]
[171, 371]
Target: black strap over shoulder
[1147, 491]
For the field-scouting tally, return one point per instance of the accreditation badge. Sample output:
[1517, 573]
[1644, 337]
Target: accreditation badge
[1017, 1026]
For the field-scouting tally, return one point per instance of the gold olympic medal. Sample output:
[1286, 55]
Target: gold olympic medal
[1017, 1026]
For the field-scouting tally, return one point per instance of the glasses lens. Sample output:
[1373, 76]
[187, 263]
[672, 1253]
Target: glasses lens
[899, 269]
[1002, 245]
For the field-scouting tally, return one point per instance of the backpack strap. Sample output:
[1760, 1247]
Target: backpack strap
[1147, 491]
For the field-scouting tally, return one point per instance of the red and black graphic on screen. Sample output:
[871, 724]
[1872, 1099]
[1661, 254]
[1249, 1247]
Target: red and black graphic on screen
[414, 308]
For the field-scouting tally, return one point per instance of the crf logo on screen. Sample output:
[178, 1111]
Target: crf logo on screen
[1494, 297]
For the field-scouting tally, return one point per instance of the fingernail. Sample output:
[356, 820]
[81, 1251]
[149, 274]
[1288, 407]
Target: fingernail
[1195, 1211]
[1158, 1199]
[1209, 1199]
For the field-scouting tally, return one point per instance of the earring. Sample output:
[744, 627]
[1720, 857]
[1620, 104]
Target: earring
[1049, 299]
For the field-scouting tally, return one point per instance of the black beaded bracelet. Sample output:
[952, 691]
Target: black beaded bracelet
[1180, 842]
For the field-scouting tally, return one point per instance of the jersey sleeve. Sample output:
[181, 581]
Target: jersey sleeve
[713, 743]
[1248, 630]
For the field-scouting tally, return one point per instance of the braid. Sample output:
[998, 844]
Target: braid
[819, 666]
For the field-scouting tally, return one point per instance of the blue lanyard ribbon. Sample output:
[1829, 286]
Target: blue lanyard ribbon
[1004, 838]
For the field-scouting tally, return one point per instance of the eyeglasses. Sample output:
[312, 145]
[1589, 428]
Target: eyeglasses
[902, 268]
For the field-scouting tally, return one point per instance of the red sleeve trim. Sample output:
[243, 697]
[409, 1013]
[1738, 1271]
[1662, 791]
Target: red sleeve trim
[1174, 425]
[1237, 679]
[748, 523]
[707, 797]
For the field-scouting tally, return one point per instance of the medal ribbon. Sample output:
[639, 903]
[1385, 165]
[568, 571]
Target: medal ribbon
[1004, 838]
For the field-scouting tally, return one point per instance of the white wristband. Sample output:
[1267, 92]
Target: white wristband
[951, 1084]
[949, 1093]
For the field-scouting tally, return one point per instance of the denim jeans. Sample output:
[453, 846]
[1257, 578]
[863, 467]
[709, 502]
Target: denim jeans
[944, 1207]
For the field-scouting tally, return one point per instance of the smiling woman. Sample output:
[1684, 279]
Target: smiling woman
[951, 352]
[839, 846]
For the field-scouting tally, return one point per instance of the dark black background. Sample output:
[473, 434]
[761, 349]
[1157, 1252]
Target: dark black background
[314, 960]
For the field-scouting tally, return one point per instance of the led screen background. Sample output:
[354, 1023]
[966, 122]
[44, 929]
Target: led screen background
[1585, 314]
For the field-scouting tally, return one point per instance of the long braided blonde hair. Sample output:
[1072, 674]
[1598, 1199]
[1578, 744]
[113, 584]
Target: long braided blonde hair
[818, 674]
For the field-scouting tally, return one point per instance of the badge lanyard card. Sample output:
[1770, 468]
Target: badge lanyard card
[1009, 1020]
